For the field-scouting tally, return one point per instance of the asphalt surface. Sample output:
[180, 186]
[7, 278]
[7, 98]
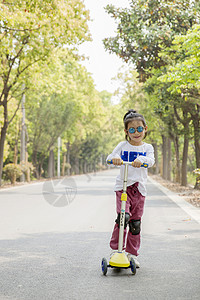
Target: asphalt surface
[54, 235]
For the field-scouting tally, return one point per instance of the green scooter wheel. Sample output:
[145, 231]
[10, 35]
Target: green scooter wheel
[104, 266]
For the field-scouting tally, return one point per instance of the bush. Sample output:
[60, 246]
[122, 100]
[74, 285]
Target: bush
[12, 171]
[197, 173]
[27, 169]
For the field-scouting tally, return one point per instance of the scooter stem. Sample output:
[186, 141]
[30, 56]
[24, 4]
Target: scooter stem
[125, 178]
[123, 208]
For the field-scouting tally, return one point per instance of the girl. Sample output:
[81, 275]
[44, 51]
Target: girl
[138, 152]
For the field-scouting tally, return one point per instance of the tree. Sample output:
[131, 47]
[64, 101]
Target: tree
[183, 76]
[146, 29]
[29, 31]
[57, 104]
[148, 26]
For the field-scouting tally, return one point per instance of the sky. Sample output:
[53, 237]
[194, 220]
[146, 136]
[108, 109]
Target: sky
[102, 65]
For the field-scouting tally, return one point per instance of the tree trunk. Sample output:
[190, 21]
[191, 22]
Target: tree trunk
[169, 159]
[3, 134]
[51, 164]
[85, 167]
[197, 146]
[185, 121]
[15, 159]
[177, 154]
[196, 125]
[94, 166]
[68, 159]
[36, 170]
[76, 168]
[164, 155]
[2, 142]
[28, 173]
[64, 163]
[156, 158]
[184, 159]
[15, 154]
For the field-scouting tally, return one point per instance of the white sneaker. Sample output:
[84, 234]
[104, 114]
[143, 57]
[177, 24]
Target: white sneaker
[135, 259]
[113, 252]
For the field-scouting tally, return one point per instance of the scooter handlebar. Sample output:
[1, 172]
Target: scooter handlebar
[110, 162]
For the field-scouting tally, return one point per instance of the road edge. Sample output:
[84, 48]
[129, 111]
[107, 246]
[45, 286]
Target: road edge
[191, 210]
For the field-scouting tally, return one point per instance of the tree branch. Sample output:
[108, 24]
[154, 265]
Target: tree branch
[10, 68]
[3, 36]
[177, 115]
[20, 72]
[22, 30]
[15, 112]
[20, 93]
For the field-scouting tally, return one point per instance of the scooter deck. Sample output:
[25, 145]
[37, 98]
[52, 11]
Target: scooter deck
[119, 260]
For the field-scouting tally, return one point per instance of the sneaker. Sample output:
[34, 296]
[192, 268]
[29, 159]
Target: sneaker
[113, 252]
[135, 259]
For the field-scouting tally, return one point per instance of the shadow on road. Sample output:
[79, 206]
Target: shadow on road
[67, 266]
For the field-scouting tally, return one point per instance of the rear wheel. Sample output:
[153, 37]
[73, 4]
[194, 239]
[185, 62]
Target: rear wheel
[133, 266]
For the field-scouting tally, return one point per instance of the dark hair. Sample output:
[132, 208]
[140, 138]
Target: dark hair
[133, 115]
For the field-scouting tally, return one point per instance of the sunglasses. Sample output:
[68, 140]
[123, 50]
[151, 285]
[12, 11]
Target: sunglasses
[133, 130]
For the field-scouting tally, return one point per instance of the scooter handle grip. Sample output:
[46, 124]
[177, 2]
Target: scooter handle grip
[144, 165]
[110, 162]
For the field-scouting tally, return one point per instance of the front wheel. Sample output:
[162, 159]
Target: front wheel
[133, 266]
[104, 266]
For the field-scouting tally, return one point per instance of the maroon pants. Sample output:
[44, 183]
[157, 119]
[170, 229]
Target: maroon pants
[135, 207]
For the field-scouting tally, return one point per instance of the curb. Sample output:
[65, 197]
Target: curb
[193, 211]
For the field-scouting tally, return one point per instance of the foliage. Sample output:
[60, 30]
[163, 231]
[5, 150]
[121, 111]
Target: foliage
[13, 132]
[146, 27]
[29, 32]
[183, 77]
[184, 73]
[145, 35]
[39, 42]
[12, 172]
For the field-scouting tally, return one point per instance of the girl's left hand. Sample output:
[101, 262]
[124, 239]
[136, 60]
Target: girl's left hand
[136, 163]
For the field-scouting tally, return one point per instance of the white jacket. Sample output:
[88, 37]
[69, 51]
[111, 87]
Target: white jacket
[128, 152]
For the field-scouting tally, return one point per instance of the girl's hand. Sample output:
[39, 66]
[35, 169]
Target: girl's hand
[136, 163]
[117, 161]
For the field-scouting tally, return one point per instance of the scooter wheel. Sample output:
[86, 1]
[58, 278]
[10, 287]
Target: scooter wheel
[133, 266]
[104, 266]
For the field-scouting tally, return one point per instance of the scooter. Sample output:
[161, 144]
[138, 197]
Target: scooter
[119, 259]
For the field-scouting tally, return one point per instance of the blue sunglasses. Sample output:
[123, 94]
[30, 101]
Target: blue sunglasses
[133, 130]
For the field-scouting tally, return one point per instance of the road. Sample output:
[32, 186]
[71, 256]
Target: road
[53, 236]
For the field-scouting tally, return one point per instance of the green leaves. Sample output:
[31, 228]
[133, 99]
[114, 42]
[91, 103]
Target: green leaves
[145, 28]
[184, 74]
[30, 31]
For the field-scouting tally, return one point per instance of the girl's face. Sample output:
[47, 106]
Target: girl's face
[136, 138]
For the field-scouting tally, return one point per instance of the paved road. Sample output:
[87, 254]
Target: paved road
[49, 252]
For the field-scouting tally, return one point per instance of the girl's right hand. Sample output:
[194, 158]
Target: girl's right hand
[117, 161]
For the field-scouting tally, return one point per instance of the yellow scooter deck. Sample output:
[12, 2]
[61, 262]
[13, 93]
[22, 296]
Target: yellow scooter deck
[120, 260]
